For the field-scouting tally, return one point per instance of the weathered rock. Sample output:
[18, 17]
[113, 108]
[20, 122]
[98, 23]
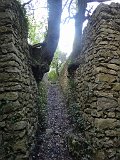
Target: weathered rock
[22, 134]
[0, 139]
[113, 66]
[9, 107]
[104, 103]
[2, 124]
[116, 87]
[20, 146]
[9, 96]
[18, 87]
[105, 78]
[100, 155]
[49, 131]
[20, 125]
[102, 124]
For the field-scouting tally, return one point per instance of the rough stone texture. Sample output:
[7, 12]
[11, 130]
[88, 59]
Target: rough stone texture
[98, 82]
[18, 88]
[63, 80]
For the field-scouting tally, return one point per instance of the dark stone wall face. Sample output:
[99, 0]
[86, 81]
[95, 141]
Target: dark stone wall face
[98, 82]
[18, 88]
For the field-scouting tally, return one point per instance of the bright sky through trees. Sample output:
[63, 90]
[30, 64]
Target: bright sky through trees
[67, 29]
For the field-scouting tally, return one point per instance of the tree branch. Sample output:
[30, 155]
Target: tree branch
[69, 7]
[24, 4]
[65, 5]
[67, 19]
[88, 1]
[54, 19]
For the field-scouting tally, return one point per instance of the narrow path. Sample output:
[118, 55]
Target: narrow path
[54, 146]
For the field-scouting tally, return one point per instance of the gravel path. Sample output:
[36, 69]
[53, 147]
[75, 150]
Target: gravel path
[54, 145]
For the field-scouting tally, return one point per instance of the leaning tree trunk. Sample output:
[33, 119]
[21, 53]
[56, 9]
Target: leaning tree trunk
[54, 19]
[79, 19]
[55, 10]
[43, 56]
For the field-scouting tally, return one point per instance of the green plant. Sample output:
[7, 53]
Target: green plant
[76, 117]
[42, 105]
[78, 146]
[36, 31]
[23, 18]
[52, 76]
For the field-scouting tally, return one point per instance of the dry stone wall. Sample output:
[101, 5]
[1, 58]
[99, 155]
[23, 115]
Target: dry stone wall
[18, 88]
[94, 88]
[63, 79]
[98, 82]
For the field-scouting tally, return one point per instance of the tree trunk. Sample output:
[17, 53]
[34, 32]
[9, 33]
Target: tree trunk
[42, 57]
[55, 10]
[97, 1]
[79, 19]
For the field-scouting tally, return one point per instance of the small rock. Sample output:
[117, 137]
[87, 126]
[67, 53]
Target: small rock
[20, 125]
[49, 131]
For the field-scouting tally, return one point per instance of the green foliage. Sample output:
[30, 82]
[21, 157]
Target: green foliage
[23, 18]
[37, 31]
[72, 86]
[74, 108]
[56, 65]
[58, 59]
[55, 60]
[76, 117]
[52, 76]
[79, 147]
[42, 105]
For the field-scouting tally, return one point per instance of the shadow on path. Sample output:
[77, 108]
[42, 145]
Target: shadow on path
[54, 145]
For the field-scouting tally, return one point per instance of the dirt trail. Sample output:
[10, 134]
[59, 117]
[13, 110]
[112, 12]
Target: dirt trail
[54, 146]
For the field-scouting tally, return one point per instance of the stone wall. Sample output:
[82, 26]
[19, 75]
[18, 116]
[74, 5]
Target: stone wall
[97, 82]
[18, 88]
[63, 79]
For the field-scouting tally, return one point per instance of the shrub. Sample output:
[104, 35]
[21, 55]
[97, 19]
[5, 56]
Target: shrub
[52, 76]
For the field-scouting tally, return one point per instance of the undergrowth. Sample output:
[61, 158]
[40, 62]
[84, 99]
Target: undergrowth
[42, 100]
[42, 105]
[77, 144]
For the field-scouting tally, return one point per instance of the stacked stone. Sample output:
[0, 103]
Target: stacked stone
[98, 82]
[18, 88]
[63, 79]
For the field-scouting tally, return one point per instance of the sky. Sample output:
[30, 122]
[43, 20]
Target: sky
[66, 30]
